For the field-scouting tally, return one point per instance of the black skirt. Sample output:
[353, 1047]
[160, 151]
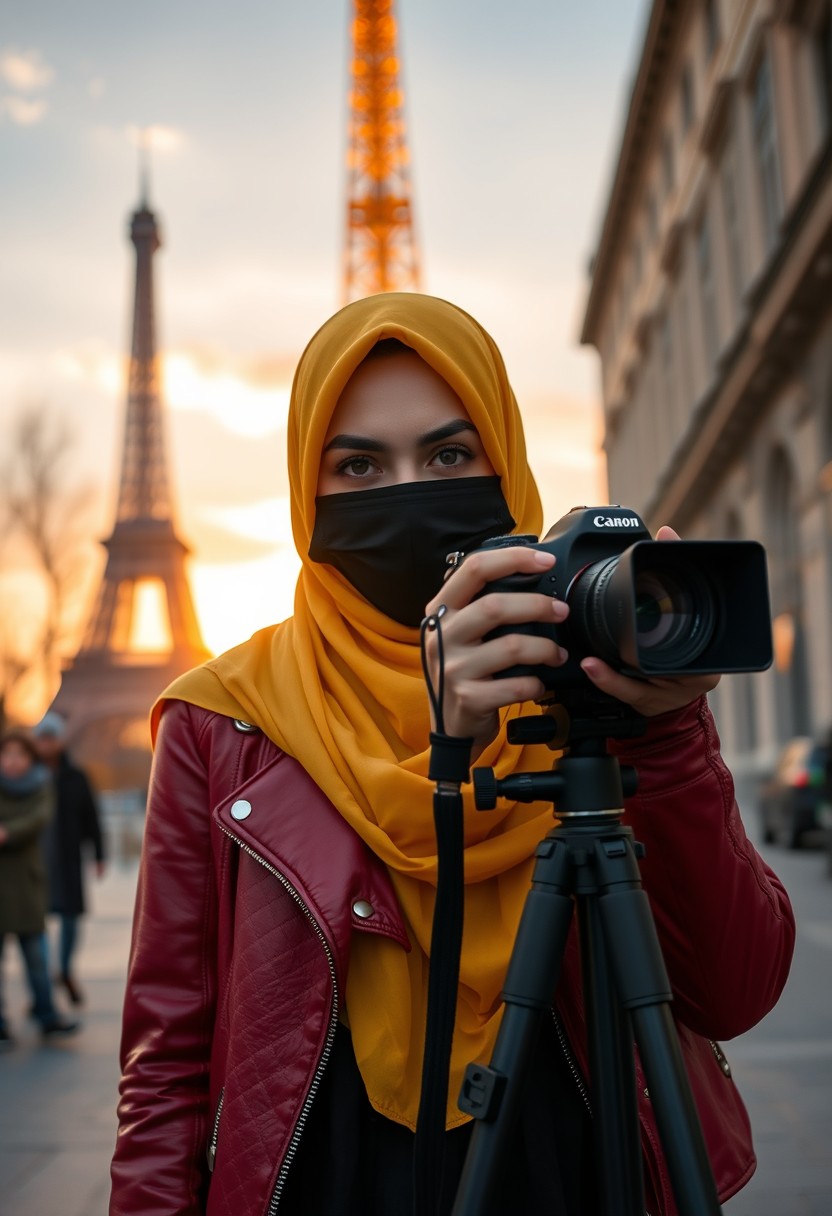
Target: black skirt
[352, 1161]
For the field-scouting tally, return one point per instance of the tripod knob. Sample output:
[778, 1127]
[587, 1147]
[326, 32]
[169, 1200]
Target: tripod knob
[485, 789]
[541, 728]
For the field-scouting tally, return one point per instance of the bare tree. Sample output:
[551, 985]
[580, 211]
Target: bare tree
[41, 514]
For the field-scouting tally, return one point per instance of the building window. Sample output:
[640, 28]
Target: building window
[733, 229]
[666, 338]
[621, 312]
[787, 595]
[652, 210]
[668, 163]
[686, 88]
[704, 260]
[637, 264]
[711, 27]
[647, 406]
[668, 378]
[685, 387]
[823, 59]
[765, 140]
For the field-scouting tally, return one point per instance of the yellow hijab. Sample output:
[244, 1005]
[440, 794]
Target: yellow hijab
[340, 687]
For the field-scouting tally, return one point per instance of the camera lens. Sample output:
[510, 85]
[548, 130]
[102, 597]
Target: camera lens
[673, 615]
[670, 617]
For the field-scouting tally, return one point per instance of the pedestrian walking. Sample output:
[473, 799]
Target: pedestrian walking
[26, 800]
[75, 828]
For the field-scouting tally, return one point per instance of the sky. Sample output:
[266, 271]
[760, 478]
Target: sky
[514, 115]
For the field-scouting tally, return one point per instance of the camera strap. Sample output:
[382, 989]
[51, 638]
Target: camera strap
[450, 759]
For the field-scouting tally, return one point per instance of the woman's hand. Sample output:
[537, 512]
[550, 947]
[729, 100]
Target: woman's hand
[473, 698]
[653, 696]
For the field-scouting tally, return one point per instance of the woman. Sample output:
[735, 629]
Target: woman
[275, 1010]
[26, 801]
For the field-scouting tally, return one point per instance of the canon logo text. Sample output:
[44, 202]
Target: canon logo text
[618, 521]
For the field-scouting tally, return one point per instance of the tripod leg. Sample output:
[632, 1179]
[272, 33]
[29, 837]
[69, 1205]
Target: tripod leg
[617, 1141]
[493, 1094]
[676, 1114]
[644, 989]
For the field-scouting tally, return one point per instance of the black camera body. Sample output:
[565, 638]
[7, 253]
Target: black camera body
[648, 608]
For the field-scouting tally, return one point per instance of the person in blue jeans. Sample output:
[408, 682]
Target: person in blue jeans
[26, 801]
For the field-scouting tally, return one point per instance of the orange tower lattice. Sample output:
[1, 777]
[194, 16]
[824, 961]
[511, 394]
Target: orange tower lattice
[381, 252]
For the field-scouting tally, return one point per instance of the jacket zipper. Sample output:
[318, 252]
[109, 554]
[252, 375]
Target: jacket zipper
[570, 1060]
[721, 1058]
[212, 1144]
[573, 1067]
[330, 1034]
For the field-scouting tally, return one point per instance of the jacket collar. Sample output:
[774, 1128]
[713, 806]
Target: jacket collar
[283, 818]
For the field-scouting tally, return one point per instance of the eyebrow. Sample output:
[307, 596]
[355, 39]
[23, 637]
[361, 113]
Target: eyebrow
[364, 444]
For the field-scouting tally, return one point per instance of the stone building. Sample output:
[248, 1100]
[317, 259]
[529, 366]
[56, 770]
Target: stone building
[709, 304]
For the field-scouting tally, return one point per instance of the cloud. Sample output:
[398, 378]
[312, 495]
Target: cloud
[93, 362]
[25, 70]
[156, 138]
[212, 544]
[248, 395]
[153, 139]
[268, 371]
[243, 407]
[267, 521]
[23, 112]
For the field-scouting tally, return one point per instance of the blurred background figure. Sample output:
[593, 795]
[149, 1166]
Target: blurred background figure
[26, 801]
[75, 827]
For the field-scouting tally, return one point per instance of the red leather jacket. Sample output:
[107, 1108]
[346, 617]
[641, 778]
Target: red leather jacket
[251, 888]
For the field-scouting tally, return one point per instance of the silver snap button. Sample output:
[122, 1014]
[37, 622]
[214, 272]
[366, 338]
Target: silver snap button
[363, 908]
[241, 809]
[245, 728]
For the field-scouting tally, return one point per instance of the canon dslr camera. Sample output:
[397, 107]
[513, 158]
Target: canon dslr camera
[648, 608]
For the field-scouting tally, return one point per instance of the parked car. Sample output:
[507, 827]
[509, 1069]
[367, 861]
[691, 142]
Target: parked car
[828, 847]
[825, 818]
[794, 799]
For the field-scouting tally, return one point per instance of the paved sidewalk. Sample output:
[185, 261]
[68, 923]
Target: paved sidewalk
[57, 1102]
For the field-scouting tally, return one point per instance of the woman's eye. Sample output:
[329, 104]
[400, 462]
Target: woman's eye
[355, 466]
[452, 456]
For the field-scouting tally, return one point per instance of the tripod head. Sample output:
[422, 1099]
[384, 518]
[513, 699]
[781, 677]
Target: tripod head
[588, 782]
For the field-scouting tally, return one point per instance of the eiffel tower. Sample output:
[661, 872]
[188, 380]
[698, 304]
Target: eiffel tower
[108, 688]
[381, 252]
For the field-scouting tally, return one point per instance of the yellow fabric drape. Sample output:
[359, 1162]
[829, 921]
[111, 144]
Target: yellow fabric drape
[340, 687]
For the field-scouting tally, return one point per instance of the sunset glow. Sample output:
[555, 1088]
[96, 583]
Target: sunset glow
[251, 214]
[191, 382]
[235, 599]
[243, 408]
[150, 631]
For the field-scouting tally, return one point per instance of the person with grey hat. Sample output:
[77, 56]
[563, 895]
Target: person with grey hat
[75, 827]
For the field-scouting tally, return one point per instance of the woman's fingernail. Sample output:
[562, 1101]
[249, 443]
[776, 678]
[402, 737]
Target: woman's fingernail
[543, 558]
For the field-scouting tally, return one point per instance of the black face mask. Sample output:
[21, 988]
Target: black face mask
[391, 543]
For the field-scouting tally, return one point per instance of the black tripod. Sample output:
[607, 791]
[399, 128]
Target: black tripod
[589, 860]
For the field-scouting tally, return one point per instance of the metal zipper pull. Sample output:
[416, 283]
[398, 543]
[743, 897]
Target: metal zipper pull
[212, 1144]
[721, 1058]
